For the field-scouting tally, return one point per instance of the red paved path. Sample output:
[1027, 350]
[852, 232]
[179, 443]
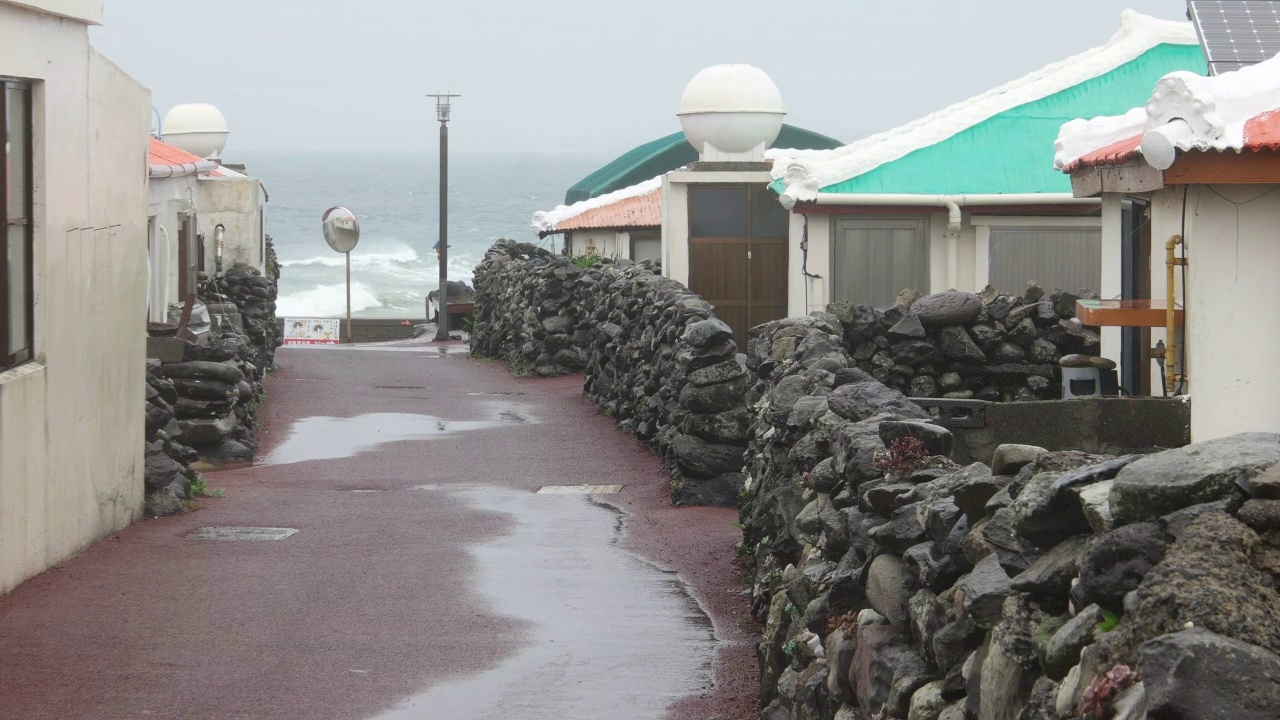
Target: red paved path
[370, 604]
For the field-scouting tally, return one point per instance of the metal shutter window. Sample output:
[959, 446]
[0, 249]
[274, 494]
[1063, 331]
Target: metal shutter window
[872, 260]
[1065, 258]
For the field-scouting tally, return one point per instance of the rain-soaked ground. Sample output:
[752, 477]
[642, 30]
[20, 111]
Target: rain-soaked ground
[427, 577]
[608, 635]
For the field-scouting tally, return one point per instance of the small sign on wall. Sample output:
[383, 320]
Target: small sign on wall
[311, 331]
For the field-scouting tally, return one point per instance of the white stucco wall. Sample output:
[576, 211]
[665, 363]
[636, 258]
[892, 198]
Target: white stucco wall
[238, 205]
[86, 11]
[1233, 286]
[166, 199]
[611, 244]
[71, 422]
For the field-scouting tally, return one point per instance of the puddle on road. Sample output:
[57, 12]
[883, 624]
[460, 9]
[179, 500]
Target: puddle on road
[612, 636]
[329, 438]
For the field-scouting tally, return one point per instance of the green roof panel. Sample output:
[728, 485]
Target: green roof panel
[1012, 152]
[668, 153]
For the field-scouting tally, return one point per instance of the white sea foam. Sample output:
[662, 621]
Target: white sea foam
[359, 260]
[327, 301]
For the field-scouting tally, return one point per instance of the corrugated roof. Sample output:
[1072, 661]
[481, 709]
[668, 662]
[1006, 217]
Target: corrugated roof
[1001, 141]
[1117, 153]
[634, 212]
[162, 153]
[165, 160]
[1261, 132]
[669, 153]
[1238, 111]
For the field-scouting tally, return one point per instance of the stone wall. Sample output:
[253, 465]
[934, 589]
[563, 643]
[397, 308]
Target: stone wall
[993, 346]
[1037, 585]
[655, 357]
[202, 399]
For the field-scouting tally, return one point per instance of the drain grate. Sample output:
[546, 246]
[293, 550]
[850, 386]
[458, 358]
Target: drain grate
[579, 489]
[241, 533]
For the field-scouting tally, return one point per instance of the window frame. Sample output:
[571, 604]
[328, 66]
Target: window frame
[27, 353]
[920, 223]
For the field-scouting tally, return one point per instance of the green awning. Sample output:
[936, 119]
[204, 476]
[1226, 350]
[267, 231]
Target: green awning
[668, 153]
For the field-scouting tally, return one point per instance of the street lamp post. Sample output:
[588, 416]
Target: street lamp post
[442, 313]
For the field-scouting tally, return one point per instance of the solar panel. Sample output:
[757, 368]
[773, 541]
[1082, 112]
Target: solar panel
[1236, 33]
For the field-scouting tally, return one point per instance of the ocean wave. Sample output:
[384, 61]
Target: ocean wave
[360, 261]
[327, 301]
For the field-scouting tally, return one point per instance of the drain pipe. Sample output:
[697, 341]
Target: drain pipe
[1171, 261]
[953, 242]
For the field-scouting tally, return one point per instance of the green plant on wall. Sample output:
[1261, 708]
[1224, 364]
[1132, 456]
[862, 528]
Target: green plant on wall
[587, 262]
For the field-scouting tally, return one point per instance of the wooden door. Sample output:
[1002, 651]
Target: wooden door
[738, 254]
[718, 270]
[767, 293]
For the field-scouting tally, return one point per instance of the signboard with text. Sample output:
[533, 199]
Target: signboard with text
[311, 331]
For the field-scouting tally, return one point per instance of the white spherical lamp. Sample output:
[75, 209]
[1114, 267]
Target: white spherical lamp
[198, 128]
[731, 113]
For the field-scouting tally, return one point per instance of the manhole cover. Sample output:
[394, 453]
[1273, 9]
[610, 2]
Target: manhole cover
[241, 533]
[579, 489]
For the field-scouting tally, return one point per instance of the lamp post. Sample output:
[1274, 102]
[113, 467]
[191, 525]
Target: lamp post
[442, 254]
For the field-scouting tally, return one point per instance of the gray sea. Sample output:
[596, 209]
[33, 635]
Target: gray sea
[395, 196]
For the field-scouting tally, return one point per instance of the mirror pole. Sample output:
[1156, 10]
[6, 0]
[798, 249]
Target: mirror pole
[348, 254]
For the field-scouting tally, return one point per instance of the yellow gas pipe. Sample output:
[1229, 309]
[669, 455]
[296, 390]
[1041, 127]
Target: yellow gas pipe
[1171, 260]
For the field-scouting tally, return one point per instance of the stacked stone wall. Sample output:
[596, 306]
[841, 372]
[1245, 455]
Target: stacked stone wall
[1036, 585]
[991, 346]
[202, 399]
[654, 356]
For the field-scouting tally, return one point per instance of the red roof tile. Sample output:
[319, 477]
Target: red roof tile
[1261, 132]
[1116, 153]
[640, 211]
[162, 153]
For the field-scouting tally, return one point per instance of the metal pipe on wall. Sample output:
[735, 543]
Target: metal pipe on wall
[1171, 261]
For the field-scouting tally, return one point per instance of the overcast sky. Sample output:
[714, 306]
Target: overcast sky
[594, 75]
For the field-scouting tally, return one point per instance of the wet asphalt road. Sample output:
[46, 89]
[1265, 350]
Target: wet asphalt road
[427, 579]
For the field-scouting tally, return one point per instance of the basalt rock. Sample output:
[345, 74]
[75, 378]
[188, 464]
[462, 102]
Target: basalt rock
[1203, 472]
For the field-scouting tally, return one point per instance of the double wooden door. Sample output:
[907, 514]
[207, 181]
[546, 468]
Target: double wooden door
[738, 254]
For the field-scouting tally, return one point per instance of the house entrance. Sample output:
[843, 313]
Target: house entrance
[738, 254]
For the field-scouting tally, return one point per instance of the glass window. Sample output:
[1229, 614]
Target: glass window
[768, 218]
[15, 225]
[718, 212]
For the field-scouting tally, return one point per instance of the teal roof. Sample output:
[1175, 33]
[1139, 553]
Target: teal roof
[668, 153]
[1012, 151]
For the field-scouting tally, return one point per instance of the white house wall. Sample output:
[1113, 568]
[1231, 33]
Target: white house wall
[611, 244]
[675, 230]
[71, 421]
[86, 11]
[1166, 221]
[1233, 283]
[236, 204]
[167, 198]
